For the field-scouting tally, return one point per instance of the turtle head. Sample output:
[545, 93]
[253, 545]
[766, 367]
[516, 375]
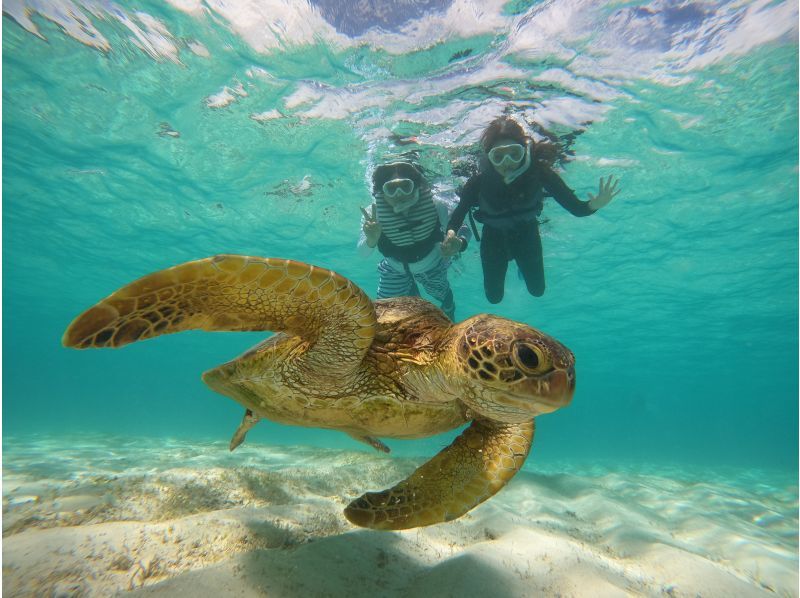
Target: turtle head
[510, 372]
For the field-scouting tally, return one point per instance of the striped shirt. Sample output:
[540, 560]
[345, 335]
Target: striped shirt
[414, 225]
[407, 233]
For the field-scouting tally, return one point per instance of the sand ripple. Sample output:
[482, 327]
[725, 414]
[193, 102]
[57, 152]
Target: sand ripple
[99, 516]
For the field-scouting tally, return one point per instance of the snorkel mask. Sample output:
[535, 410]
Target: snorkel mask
[398, 188]
[511, 154]
[510, 160]
[401, 194]
[401, 191]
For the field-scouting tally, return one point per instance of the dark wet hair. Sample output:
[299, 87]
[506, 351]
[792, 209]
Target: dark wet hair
[396, 170]
[506, 127]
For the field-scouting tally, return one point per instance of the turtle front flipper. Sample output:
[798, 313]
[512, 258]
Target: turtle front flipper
[233, 292]
[474, 467]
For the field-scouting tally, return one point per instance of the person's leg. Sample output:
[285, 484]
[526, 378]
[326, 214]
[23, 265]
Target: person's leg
[436, 284]
[414, 291]
[393, 283]
[526, 249]
[494, 259]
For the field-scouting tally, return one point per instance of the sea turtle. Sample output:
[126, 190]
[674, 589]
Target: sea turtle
[394, 368]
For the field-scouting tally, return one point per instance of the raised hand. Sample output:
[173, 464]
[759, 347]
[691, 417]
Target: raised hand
[608, 191]
[372, 228]
[451, 244]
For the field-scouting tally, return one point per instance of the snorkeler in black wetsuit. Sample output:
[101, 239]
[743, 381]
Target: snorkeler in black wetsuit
[508, 192]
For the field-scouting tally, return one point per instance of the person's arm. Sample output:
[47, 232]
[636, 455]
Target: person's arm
[565, 196]
[453, 243]
[368, 222]
[468, 198]
[364, 250]
[464, 233]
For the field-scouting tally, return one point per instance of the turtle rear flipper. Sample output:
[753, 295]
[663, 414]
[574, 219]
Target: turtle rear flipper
[234, 292]
[474, 467]
[248, 421]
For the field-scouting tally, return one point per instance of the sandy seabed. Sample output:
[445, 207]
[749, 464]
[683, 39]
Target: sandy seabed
[160, 517]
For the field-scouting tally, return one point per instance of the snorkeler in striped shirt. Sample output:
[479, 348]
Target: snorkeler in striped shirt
[406, 224]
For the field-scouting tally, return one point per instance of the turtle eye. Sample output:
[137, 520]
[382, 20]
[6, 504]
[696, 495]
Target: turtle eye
[529, 358]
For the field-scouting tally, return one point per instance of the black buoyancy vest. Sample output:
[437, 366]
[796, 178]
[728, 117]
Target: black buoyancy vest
[508, 206]
[409, 237]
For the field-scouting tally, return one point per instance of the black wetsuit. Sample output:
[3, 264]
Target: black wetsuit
[510, 227]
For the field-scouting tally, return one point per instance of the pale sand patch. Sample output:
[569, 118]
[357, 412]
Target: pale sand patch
[268, 521]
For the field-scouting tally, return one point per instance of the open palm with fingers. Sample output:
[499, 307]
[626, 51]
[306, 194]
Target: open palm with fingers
[607, 191]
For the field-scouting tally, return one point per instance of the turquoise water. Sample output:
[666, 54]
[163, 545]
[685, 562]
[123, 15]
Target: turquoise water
[158, 133]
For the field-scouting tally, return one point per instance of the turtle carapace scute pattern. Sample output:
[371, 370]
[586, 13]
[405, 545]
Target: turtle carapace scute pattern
[392, 368]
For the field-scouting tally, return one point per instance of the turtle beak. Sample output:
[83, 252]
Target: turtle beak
[547, 393]
[561, 385]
